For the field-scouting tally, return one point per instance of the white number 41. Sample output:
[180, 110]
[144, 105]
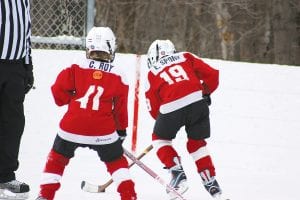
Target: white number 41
[96, 100]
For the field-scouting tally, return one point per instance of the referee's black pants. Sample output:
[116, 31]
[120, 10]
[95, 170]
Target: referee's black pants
[12, 118]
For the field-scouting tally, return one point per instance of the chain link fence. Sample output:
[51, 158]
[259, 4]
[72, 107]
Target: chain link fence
[61, 24]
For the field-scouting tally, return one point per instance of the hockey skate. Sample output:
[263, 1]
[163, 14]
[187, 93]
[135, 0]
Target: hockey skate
[210, 184]
[14, 189]
[213, 188]
[178, 179]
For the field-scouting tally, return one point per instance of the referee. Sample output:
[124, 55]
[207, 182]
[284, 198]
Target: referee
[16, 79]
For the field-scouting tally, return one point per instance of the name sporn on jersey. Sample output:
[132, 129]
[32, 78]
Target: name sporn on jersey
[167, 61]
[103, 66]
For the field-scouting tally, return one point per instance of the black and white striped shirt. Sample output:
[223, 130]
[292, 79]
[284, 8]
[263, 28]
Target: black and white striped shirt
[15, 30]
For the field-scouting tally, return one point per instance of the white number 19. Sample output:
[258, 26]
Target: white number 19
[175, 74]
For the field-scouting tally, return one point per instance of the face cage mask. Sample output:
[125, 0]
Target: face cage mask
[149, 62]
[100, 56]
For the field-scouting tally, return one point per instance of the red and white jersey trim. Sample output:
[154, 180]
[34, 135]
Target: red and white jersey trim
[94, 140]
[181, 102]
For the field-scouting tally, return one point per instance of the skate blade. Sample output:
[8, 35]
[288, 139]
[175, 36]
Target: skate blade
[183, 187]
[8, 195]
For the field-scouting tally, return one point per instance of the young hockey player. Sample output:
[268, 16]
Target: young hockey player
[178, 93]
[97, 118]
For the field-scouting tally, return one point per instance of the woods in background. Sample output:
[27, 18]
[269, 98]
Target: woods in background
[265, 31]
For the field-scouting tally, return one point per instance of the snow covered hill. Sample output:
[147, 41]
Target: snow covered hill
[255, 133]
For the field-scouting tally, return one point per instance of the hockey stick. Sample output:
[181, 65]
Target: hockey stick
[89, 187]
[153, 174]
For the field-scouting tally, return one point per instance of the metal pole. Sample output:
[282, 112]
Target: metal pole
[90, 15]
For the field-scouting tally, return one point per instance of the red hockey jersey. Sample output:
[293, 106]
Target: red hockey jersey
[178, 80]
[96, 94]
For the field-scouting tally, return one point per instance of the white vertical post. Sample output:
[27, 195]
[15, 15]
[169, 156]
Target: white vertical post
[90, 15]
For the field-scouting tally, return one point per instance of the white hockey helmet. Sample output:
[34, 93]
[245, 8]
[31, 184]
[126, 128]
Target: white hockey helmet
[159, 49]
[101, 44]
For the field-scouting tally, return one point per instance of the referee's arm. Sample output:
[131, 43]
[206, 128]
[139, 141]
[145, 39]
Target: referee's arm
[15, 34]
[28, 59]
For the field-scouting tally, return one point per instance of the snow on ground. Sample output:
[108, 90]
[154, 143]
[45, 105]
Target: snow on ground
[255, 139]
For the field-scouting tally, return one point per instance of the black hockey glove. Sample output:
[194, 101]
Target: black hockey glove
[122, 134]
[207, 99]
[29, 79]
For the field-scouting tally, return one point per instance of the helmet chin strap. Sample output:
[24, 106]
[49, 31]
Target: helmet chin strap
[111, 51]
[157, 52]
[109, 47]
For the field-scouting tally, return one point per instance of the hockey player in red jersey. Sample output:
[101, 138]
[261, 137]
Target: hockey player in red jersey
[178, 92]
[96, 94]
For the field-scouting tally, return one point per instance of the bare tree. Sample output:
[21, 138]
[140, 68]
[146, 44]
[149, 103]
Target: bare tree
[223, 23]
[244, 30]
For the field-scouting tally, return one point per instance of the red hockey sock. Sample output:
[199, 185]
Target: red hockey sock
[165, 152]
[116, 164]
[120, 173]
[126, 190]
[56, 163]
[199, 152]
[53, 171]
[48, 190]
